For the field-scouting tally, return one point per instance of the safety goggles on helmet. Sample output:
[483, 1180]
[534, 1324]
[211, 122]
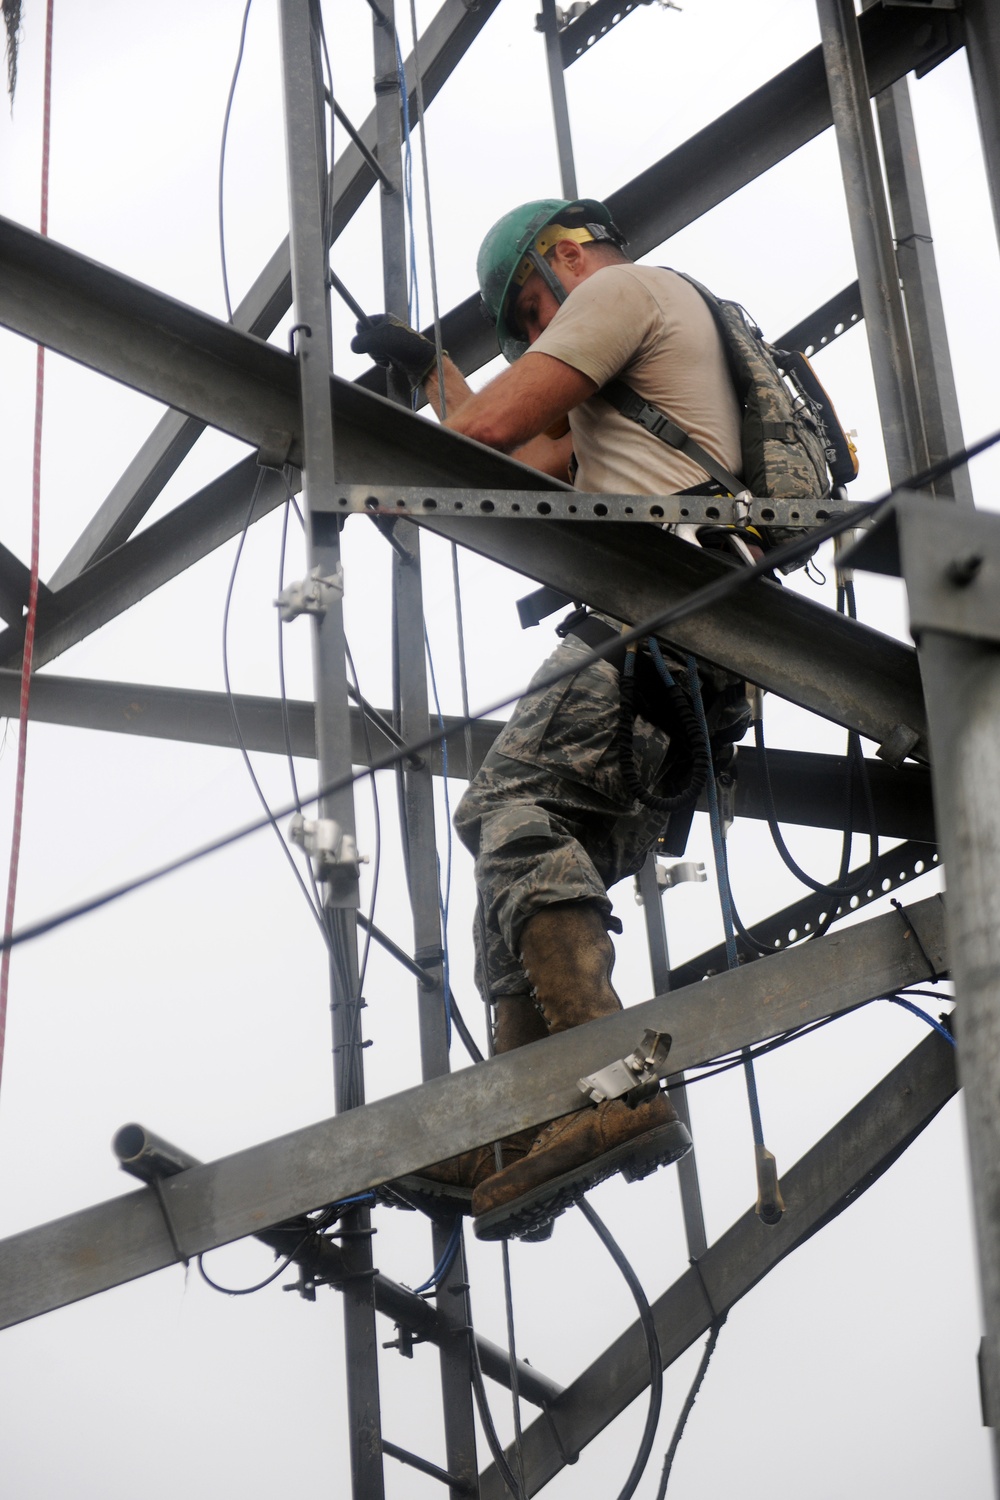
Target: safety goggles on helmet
[517, 245]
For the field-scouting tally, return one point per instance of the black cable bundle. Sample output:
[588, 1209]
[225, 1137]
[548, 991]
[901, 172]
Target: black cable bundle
[681, 713]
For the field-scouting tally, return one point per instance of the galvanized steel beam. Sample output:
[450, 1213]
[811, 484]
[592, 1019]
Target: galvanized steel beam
[803, 651]
[808, 788]
[441, 47]
[871, 232]
[830, 1177]
[117, 1241]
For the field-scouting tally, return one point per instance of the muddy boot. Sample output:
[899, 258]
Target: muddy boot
[568, 957]
[445, 1189]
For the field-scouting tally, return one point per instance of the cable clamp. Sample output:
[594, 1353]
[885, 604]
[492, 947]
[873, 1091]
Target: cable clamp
[632, 1078]
[311, 596]
[326, 844]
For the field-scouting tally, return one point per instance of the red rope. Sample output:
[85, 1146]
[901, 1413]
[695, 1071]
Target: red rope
[29, 627]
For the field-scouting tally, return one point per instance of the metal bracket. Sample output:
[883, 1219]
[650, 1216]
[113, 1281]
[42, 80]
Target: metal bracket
[326, 844]
[667, 876]
[949, 559]
[632, 1078]
[311, 596]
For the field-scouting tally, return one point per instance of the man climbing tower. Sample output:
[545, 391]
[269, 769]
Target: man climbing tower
[550, 817]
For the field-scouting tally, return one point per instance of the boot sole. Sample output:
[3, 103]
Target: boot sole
[444, 1203]
[635, 1159]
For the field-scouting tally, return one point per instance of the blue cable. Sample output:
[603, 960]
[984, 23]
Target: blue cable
[909, 1005]
[722, 878]
[443, 1266]
[444, 897]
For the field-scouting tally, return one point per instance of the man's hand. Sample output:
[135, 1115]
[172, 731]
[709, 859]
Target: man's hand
[392, 342]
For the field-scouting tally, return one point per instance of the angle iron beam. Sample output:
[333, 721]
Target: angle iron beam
[917, 265]
[305, 152]
[770, 124]
[15, 583]
[871, 233]
[981, 25]
[905, 862]
[441, 47]
[771, 636]
[817, 331]
[237, 382]
[808, 788]
[145, 562]
[831, 1176]
[117, 1241]
[201, 718]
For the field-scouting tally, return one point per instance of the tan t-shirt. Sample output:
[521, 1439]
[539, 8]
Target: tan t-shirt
[650, 327]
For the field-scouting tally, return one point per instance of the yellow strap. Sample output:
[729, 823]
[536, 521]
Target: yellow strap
[550, 235]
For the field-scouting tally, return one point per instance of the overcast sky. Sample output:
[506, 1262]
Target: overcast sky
[200, 1005]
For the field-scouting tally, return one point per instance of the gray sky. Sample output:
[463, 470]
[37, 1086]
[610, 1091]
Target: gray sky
[200, 1005]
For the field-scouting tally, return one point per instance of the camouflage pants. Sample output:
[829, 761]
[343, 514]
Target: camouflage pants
[548, 817]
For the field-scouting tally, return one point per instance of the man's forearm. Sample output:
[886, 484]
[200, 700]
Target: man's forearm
[457, 390]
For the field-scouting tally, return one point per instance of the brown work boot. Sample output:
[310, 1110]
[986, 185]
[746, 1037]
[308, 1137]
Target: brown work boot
[445, 1189]
[573, 1154]
[568, 957]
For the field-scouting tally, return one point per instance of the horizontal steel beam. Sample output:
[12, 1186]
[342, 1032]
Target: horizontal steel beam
[828, 1179]
[233, 380]
[117, 1241]
[807, 788]
[810, 789]
[800, 650]
[196, 717]
[442, 46]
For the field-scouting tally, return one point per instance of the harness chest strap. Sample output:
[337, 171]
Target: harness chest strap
[631, 405]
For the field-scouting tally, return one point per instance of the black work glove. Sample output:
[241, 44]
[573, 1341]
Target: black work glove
[391, 342]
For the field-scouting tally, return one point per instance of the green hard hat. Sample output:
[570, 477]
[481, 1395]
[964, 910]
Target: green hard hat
[502, 253]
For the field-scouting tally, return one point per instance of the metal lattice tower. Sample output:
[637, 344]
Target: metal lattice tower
[932, 711]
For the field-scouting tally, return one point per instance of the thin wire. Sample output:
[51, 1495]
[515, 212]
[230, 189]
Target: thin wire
[377, 854]
[425, 172]
[444, 894]
[444, 1265]
[702, 599]
[652, 1348]
[272, 818]
[246, 1291]
[31, 619]
[515, 1388]
[722, 880]
[412, 290]
[936, 1025]
[507, 1475]
[692, 1395]
[222, 161]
